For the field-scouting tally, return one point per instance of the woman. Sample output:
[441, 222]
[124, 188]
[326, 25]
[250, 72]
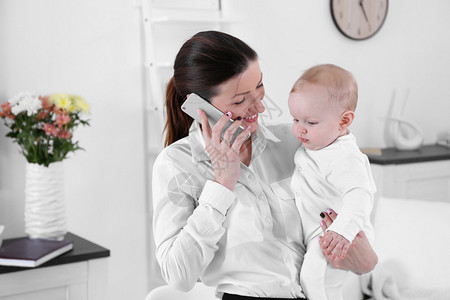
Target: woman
[224, 213]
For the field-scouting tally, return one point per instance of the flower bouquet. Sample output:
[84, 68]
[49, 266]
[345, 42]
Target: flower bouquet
[43, 125]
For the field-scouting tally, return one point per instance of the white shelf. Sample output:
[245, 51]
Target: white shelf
[167, 19]
[187, 5]
[161, 64]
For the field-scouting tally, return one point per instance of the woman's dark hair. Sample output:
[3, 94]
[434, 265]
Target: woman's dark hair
[204, 62]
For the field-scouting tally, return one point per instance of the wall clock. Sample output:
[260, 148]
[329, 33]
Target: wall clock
[359, 19]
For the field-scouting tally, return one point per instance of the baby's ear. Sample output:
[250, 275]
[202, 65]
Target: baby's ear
[346, 119]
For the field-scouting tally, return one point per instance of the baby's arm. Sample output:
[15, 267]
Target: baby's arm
[360, 258]
[335, 244]
[351, 177]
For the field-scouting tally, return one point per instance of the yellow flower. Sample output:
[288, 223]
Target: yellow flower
[78, 104]
[61, 101]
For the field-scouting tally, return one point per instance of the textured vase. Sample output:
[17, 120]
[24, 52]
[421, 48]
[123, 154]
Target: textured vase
[45, 213]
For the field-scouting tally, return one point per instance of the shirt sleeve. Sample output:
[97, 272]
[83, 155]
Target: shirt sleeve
[352, 177]
[186, 234]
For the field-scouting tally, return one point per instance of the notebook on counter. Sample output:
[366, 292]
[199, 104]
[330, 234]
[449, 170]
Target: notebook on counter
[27, 252]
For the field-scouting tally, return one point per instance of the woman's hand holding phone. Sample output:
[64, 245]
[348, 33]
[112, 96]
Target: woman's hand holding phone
[224, 155]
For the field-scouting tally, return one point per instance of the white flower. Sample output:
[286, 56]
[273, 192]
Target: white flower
[84, 116]
[25, 101]
[17, 98]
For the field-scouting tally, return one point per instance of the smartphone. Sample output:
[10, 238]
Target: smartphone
[194, 102]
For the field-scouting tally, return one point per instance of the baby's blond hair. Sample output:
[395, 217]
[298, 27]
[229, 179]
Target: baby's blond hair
[340, 83]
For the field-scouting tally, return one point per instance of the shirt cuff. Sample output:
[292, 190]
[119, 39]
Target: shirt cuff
[217, 196]
[346, 227]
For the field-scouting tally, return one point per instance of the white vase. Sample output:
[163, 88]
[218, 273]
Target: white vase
[45, 213]
[405, 135]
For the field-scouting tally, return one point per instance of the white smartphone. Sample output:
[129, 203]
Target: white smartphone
[194, 102]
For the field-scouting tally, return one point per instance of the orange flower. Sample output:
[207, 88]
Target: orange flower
[6, 107]
[50, 129]
[6, 111]
[46, 104]
[62, 119]
[64, 134]
[42, 115]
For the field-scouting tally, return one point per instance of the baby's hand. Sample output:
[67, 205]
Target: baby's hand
[335, 244]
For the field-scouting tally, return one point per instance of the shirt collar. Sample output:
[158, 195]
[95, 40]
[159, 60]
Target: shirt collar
[259, 141]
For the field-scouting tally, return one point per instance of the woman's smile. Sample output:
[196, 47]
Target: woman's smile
[251, 119]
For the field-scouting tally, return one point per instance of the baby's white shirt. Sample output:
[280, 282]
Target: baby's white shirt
[338, 177]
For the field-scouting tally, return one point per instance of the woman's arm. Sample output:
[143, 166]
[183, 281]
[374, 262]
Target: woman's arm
[186, 235]
[360, 258]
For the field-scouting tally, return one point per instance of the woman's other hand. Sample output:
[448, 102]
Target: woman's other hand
[335, 244]
[224, 155]
[360, 257]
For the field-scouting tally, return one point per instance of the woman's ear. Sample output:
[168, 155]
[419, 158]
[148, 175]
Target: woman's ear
[346, 119]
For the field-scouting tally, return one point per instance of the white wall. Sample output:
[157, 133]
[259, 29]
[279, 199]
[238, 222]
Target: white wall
[91, 48]
[410, 52]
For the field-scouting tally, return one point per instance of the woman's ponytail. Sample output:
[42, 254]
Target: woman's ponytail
[177, 123]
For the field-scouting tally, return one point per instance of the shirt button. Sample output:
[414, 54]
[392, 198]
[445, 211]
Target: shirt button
[261, 197]
[268, 220]
[287, 259]
[299, 169]
[297, 194]
[250, 176]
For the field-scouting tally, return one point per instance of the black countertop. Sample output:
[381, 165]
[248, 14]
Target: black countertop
[392, 156]
[82, 250]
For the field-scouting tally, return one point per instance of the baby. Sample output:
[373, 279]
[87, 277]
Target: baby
[331, 172]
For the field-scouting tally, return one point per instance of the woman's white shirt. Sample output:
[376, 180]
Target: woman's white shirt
[248, 241]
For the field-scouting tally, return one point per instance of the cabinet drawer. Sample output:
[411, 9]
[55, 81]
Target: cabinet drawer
[49, 280]
[425, 180]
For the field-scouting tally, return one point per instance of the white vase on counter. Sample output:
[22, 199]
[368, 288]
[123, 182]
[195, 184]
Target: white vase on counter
[405, 135]
[402, 134]
[2, 228]
[45, 210]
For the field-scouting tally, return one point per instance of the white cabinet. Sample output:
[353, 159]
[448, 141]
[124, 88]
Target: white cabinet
[85, 280]
[422, 174]
[80, 274]
[423, 180]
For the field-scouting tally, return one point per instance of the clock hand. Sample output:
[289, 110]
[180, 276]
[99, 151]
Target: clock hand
[364, 11]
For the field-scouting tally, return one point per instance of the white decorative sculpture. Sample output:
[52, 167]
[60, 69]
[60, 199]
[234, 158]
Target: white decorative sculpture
[402, 134]
[2, 227]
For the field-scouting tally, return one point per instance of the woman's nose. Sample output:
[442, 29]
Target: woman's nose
[257, 105]
[260, 105]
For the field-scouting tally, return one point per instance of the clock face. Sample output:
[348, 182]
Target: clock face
[359, 19]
